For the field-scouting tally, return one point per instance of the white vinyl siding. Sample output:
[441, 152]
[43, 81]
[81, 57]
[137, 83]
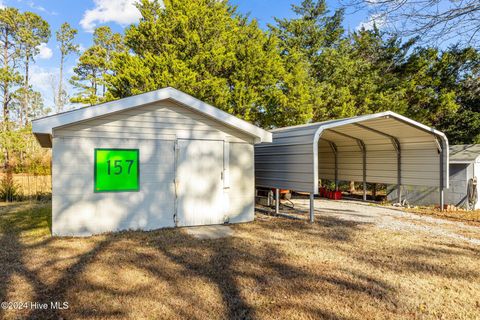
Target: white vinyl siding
[161, 97]
[153, 129]
[162, 120]
[77, 210]
[242, 185]
[199, 183]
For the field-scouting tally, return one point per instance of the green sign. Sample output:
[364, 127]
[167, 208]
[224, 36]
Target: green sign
[116, 170]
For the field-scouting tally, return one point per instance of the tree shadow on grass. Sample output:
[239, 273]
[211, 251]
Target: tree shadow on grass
[241, 270]
[434, 259]
[23, 231]
[326, 227]
[239, 267]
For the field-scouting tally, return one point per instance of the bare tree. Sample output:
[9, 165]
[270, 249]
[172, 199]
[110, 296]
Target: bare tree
[60, 97]
[433, 21]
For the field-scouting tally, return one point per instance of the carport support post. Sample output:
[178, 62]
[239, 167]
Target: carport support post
[364, 152]
[442, 202]
[399, 170]
[277, 201]
[312, 207]
[335, 152]
[333, 146]
[442, 181]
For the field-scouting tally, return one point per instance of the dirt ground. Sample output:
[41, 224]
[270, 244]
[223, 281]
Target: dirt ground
[390, 218]
[355, 262]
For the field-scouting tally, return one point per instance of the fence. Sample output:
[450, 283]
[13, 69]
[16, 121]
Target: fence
[31, 186]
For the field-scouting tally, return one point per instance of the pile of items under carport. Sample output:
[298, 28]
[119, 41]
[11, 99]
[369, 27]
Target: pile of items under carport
[330, 194]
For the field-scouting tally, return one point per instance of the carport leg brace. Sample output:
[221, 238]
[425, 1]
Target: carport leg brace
[312, 207]
[277, 201]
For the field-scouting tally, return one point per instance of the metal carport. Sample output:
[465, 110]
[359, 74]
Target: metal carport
[377, 148]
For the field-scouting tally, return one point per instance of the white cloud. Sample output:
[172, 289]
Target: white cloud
[42, 80]
[2, 5]
[45, 80]
[44, 51]
[122, 12]
[32, 5]
[81, 47]
[375, 19]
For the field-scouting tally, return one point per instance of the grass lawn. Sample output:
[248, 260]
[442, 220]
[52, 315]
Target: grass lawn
[273, 268]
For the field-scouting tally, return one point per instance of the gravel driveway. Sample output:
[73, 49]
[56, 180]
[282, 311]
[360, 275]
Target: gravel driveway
[391, 218]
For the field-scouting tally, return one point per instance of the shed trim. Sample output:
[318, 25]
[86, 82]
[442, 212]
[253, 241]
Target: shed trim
[46, 124]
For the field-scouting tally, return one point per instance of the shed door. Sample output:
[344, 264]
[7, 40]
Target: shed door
[199, 182]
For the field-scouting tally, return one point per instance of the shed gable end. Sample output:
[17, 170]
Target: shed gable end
[165, 120]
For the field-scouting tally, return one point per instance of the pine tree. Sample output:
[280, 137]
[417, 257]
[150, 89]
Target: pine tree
[88, 75]
[311, 30]
[111, 43]
[304, 38]
[93, 65]
[32, 32]
[65, 38]
[10, 77]
[207, 49]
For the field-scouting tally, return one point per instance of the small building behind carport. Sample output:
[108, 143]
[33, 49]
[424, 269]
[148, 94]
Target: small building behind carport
[154, 160]
[377, 148]
[464, 167]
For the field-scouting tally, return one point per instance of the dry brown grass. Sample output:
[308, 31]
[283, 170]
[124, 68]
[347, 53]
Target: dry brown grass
[274, 268]
[471, 217]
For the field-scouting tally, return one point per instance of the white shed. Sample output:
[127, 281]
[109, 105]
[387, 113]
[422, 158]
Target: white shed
[154, 160]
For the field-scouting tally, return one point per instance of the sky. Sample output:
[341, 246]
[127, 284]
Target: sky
[85, 15]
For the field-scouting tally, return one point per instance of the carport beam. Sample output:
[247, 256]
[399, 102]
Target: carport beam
[396, 146]
[364, 152]
[312, 207]
[362, 147]
[277, 201]
[333, 146]
[361, 144]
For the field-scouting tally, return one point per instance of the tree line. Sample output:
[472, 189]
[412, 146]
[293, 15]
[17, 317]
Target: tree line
[302, 69]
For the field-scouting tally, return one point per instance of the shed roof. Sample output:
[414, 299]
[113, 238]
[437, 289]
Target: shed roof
[463, 153]
[43, 128]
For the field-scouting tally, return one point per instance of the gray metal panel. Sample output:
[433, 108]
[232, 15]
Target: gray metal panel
[456, 194]
[285, 166]
[464, 152]
[476, 173]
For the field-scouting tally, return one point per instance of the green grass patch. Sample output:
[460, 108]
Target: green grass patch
[32, 219]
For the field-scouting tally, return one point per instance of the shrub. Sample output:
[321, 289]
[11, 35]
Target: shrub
[9, 190]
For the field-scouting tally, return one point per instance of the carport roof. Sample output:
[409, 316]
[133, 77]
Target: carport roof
[329, 124]
[43, 128]
[383, 147]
